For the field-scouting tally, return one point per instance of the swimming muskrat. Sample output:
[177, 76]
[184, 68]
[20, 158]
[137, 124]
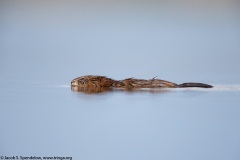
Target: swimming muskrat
[90, 81]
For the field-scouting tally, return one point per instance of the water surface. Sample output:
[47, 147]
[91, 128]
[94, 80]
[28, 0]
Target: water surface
[43, 46]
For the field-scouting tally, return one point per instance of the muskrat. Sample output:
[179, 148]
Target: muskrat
[102, 81]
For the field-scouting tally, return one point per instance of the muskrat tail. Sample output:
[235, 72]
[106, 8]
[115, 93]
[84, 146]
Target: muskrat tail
[201, 85]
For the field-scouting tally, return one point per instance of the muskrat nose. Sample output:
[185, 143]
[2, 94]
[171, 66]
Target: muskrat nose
[74, 83]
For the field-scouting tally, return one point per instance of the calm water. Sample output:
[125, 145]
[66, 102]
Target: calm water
[43, 46]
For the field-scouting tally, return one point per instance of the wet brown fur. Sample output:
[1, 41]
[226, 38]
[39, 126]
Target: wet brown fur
[102, 81]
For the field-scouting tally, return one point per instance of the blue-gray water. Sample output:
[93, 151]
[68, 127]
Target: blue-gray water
[44, 45]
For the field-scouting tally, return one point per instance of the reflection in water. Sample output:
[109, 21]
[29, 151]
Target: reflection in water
[93, 90]
[90, 90]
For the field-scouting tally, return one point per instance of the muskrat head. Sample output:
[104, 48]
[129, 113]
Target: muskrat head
[80, 81]
[92, 81]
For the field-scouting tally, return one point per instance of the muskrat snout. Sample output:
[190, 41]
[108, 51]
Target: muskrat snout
[74, 83]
